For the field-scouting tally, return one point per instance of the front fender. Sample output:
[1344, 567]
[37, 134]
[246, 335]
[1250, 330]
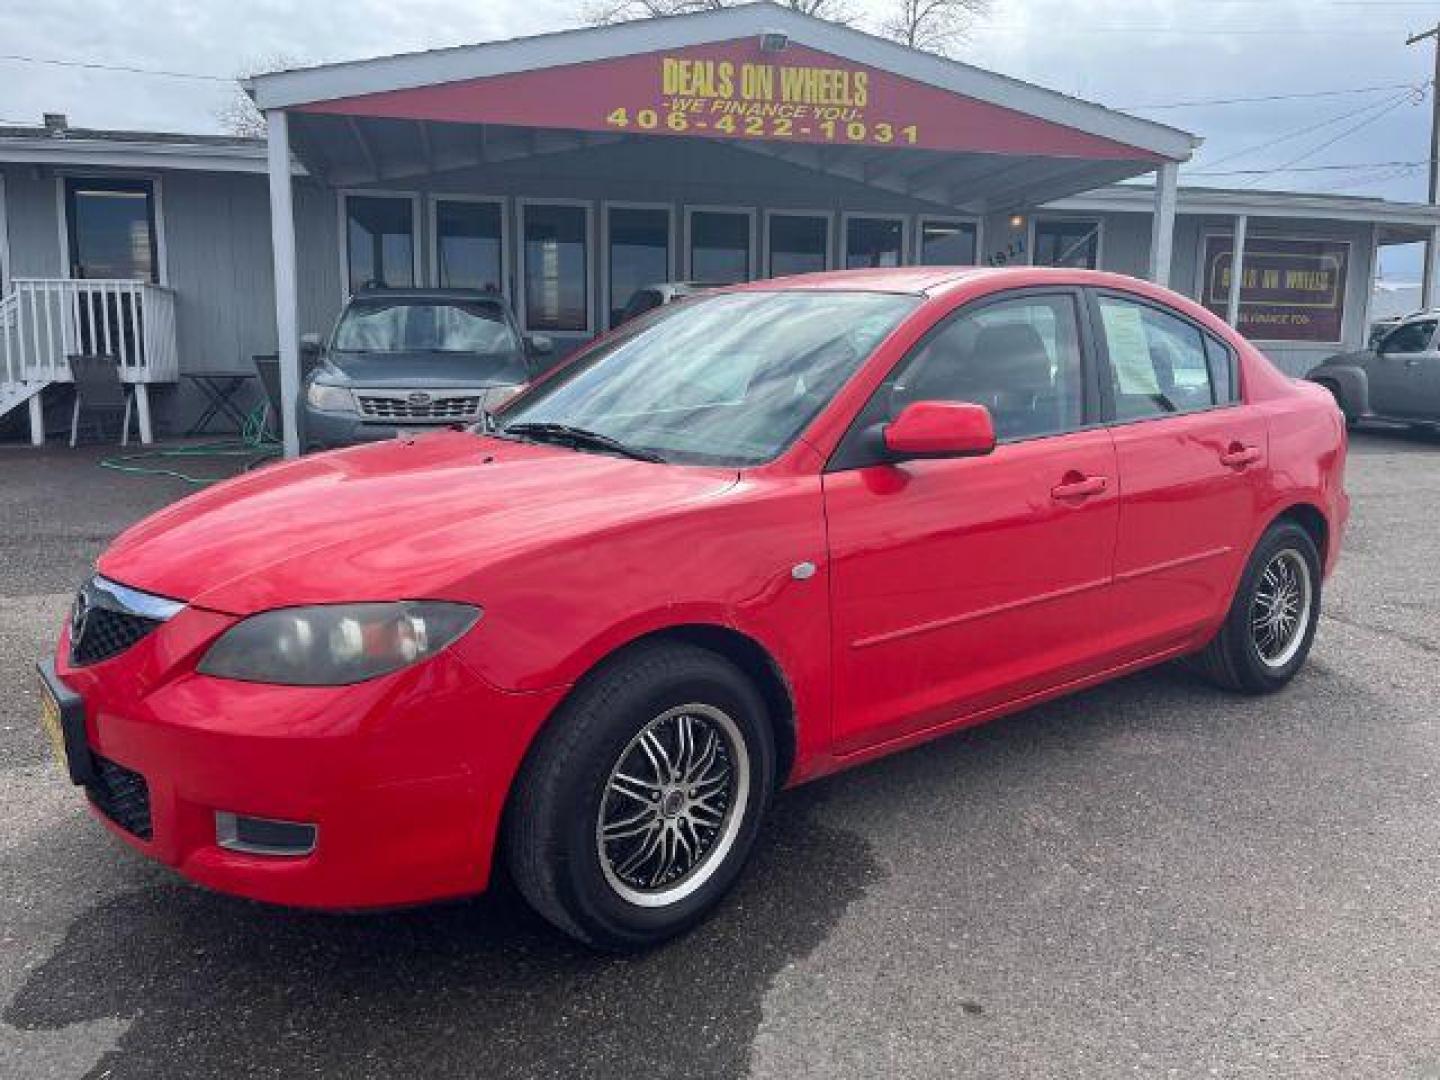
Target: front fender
[1349, 383]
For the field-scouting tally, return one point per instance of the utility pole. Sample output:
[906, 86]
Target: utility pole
[1427, 290]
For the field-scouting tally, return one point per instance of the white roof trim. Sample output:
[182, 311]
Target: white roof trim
[1140, 199]
[117, 154]
[285, 89]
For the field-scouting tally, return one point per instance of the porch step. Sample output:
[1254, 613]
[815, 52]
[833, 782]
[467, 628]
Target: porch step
[15, 394]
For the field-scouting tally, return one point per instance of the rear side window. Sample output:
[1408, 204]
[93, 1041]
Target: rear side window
[1222, 371]
[1019, 358]
[1158, 362]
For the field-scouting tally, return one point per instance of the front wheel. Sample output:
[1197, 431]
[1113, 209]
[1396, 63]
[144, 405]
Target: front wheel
[641, 800]
[1271, 623]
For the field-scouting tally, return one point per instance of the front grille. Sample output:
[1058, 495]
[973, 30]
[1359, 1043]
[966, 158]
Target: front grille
[411, 407]
[122, 795]
[103, 633]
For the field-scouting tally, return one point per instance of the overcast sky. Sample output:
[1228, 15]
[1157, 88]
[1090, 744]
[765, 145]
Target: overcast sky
[1123, 53]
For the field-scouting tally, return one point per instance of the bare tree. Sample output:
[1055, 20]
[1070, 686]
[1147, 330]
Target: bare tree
[237, 115]
[604, 12]
[936, 26]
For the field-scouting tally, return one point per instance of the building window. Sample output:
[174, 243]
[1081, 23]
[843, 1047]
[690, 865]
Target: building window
[557, 267]
[379, 242]
[719, 246]
[111, 229]
[947, 243]
[639, 253]
[469, 245]
[873, 242]
[798, 244]
[1074, 244]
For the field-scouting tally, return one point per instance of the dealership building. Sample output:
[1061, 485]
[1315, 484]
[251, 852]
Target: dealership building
[567, 170]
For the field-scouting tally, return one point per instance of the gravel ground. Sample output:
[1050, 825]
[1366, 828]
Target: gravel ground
[1148, 879]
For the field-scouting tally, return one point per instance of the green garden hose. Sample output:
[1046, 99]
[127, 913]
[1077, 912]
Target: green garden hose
[254, 442]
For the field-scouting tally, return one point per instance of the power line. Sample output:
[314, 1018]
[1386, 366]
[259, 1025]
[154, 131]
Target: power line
[1343, 135]
[1271, 97]
[1306, 168]
[1309, 128]
[92, 66]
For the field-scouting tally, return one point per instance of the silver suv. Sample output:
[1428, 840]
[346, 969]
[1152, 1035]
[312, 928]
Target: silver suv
[1397, 378]
[403, 360]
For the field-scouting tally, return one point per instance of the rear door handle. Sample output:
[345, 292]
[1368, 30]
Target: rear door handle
[1080, 487]
[1239, 455]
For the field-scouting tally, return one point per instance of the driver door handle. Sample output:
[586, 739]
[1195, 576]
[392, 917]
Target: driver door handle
[1076, 486]
[1239, 455]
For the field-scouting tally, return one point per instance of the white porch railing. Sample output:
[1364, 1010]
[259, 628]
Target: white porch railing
[45, 321]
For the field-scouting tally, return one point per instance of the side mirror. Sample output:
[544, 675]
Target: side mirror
[540, 344]
[310, 343]
[939, 429]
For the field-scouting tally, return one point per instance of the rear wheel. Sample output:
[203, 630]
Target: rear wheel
[1271, 624]
[642, 798]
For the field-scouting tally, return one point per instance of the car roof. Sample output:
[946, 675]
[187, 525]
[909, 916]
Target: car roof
[429, 294]
[932, 280]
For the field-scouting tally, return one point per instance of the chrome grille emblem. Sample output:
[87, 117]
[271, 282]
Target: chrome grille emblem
[419, 397]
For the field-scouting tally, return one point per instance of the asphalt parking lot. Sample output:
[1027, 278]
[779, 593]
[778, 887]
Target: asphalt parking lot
[1149, 879]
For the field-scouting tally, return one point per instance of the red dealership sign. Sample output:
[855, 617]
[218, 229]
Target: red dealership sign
[733, 90]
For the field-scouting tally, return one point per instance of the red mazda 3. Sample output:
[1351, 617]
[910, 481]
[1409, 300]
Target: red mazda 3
[743, 542]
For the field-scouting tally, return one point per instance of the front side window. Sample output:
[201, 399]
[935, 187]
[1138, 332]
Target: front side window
[872, 242]
[1158, 362]
[729, 379]
[1074, 244]
[1413, 337]
[379, 242]
[719, 247]
[383, 325]
[468, 245]
[1019, 358]
[557, 268]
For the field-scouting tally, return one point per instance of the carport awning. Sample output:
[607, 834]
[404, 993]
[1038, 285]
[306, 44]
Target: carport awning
[760, 78]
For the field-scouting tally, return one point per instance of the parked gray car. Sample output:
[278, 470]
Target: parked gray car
[402, 360]
[1398, 378]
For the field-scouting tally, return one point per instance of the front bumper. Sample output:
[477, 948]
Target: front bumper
[404, 776]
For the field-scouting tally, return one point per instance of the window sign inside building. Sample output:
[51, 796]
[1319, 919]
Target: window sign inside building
[639, 253]
[947, 243]
[556, 268]
[719, 247]
[379, 241]
[468, 245]
[799, 244]
[1293, 290]
[1073, 244]
[873, 242]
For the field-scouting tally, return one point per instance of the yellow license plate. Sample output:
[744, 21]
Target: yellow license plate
[50, 722]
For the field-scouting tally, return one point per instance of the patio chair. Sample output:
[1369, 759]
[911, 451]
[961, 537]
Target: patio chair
[99, 393]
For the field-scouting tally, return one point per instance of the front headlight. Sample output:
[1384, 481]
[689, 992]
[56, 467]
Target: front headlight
[336, 644]
[320, 395]
[499, 395]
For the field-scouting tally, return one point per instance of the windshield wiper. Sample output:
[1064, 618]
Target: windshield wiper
[576, 437]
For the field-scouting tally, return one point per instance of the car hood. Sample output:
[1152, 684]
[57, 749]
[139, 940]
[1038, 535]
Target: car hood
[423, 369]
[1359, 356]
[405, 519]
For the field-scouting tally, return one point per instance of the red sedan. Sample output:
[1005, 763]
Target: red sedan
[738, 544]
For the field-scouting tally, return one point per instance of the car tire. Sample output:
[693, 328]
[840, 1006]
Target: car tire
[593, 795]
[1350, 418]
[1259, 648]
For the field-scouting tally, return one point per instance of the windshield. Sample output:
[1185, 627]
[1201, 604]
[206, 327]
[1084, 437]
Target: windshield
[382, 325]
[729, 379]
